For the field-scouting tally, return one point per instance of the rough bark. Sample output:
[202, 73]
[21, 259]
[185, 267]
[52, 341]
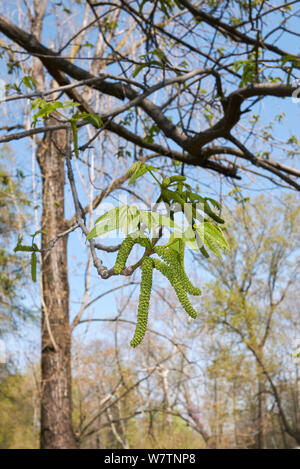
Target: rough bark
[56, 406]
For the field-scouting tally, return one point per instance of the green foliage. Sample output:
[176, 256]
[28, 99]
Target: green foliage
[213, 238]
[33, 249]
[33, 266]
[155, 57]
[138, 169]
[126, 248]
[175, 262]
[45, 108]
[128, 218]
[167, 6]
[264, 240]
[93, 119]
[18, 430]
[294, 63]
[202, 230]
[248, 68]
[29, 82]
[13, 216]
[170, 274]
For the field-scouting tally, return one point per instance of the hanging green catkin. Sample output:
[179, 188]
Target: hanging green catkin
[181, 252]
[191, 289]
[143, 241]
[176, 265]
[126, 248]
[142, 318]
[168, 272]
[123, 254]
[33, 266]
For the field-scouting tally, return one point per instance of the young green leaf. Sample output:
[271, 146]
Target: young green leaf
[29, 81]
[139, 171]
[109, 221]
[75, 136]
[212, 237]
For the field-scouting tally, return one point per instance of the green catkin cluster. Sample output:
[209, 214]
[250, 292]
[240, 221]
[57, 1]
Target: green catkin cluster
[125, 250]
[177, 267]
[170, 273]
[172, 269]
[142, 318]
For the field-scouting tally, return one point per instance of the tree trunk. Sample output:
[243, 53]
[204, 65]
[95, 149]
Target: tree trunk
[56, 399]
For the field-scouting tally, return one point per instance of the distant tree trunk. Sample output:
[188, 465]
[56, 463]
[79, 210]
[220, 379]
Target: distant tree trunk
[56, 407]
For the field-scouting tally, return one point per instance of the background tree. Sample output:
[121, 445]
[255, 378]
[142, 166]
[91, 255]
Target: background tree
[13, 220]
[19, 409]
[247, 298]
